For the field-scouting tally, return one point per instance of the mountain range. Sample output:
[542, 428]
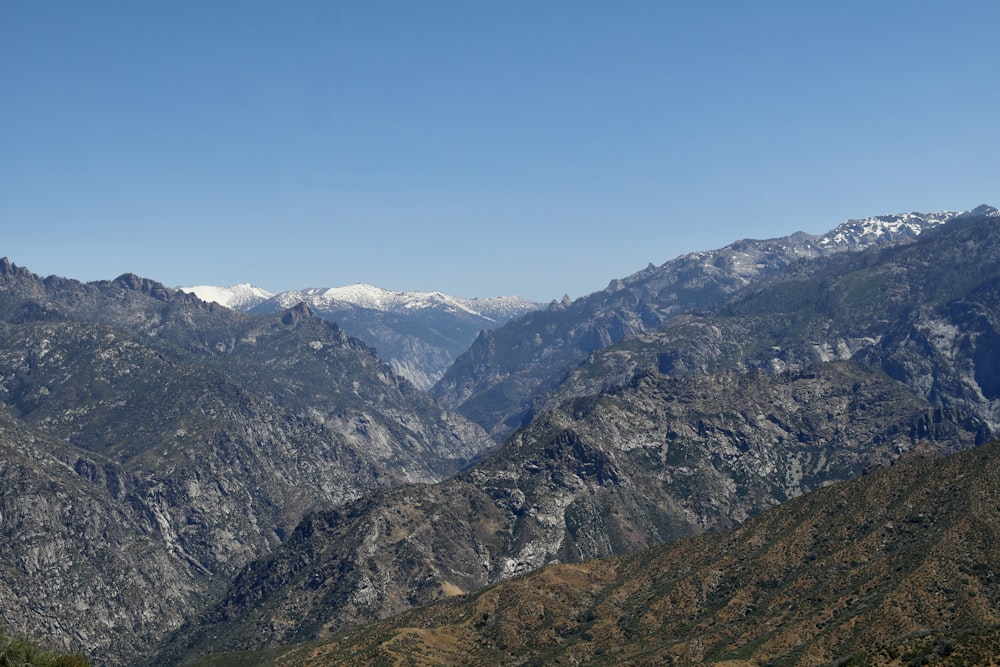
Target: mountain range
[153, 444]
[496, 380]
[180, 479]
[714, 417]
[420, 334]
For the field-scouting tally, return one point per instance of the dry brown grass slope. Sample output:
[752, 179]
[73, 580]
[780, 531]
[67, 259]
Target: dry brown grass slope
[897, 567]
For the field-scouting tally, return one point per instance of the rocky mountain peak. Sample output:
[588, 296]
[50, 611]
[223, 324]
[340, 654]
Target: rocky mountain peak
[985, 209]
[9, 269]
[296, 313]
[136, 283]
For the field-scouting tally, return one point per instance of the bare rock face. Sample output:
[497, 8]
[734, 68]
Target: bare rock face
[85, 559]
[661, 458]
[948, 354]
[154, 444]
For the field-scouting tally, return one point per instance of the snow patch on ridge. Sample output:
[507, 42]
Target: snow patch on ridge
[858, 234]
[361, 295]
[239, 297]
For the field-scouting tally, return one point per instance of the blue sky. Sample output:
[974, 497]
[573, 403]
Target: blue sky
[478, 147]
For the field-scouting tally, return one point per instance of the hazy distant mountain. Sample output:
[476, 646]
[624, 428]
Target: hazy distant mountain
[495, 309]
[240, 297]
[420, 334]
[495, 382]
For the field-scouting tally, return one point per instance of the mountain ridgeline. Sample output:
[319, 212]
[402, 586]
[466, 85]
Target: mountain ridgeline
[496, 381]
[719, 414]
[153, 444]
[179, 479]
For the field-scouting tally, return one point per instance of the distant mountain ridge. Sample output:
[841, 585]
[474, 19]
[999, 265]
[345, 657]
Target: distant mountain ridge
[419, 334]
[238, 297]
[246, 296]
[495, 382]
[499, 308]
[861, 233]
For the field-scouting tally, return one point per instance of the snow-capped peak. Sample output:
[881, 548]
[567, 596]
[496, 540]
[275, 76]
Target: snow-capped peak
[371, 297]
[240, 297]
[858, 234]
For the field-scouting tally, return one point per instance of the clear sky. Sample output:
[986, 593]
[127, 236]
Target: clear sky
[477, 147]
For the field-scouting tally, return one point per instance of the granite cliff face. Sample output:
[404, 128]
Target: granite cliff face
[86, 563]
[154, 444]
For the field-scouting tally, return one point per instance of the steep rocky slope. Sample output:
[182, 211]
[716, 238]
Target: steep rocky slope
[495, 382]
[153, 440]
[926, 312]
[662, 458]
[85, 563]
[898, 567]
